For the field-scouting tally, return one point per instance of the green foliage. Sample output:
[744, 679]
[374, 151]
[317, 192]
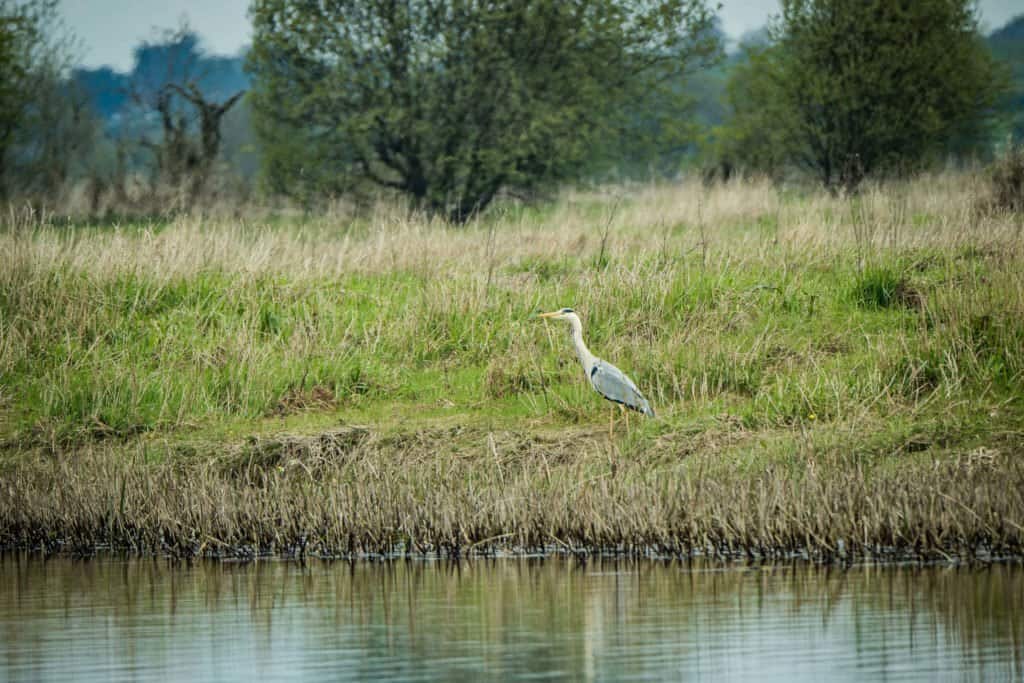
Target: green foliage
[752, 137]
[848, 89]
[660, 128]
[21, 28]
[40, 121]
[450, 102]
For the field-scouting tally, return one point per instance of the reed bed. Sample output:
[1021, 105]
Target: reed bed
[459, 492]
[823, 369]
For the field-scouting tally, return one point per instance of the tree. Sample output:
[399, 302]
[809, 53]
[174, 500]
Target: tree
[59, 137]
[449, 101]
[657, 132]
[168, 80]
[30, 59]
[754, 137]
[860, 87]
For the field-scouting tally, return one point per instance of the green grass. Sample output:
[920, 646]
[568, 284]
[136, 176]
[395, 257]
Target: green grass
[132, 349]
[778, 316]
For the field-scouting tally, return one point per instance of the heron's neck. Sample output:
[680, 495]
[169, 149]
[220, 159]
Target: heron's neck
[587, 359]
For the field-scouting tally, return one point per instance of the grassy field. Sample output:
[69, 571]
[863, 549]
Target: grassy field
[832, 376]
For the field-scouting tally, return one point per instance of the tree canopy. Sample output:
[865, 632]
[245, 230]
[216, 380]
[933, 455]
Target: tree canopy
[450, 101]
[849, 88]
[27, 57]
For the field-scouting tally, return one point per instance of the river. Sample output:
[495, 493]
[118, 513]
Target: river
[111, 618]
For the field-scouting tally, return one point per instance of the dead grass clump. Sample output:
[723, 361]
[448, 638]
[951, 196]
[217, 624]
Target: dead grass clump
[297, 400]
[505, 380]
[711, 441]
[908, 296]
[258, 456]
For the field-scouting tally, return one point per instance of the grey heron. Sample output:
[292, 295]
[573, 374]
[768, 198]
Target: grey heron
[606, 379]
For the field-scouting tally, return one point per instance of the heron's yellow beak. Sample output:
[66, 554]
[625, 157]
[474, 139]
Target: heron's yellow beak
[552, 314]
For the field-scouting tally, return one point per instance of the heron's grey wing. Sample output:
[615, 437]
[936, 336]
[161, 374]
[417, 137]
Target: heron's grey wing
[614, 385]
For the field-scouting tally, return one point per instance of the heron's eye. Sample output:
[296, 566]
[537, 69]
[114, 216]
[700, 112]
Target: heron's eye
[567, 310]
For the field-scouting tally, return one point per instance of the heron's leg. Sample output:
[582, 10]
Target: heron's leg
[611, 422]
[626, 413]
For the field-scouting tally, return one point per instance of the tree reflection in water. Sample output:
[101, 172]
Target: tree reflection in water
[603, 619]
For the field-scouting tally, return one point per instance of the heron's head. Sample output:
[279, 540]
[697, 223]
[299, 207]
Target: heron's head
[560, 314]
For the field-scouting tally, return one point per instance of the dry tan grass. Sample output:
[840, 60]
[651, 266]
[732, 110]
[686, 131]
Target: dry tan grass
[931, 211]
[462, 490]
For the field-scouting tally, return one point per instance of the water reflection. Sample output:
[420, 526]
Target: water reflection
[113, 619]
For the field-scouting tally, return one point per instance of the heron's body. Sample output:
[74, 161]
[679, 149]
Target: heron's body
[616, 387]
[607, 380]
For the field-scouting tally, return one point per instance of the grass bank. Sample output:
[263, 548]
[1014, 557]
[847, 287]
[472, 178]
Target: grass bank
[825, 370]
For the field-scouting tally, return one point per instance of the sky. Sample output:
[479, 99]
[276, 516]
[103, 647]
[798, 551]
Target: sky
[108, 29]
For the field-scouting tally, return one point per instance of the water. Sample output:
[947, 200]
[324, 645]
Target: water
[526, 619]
